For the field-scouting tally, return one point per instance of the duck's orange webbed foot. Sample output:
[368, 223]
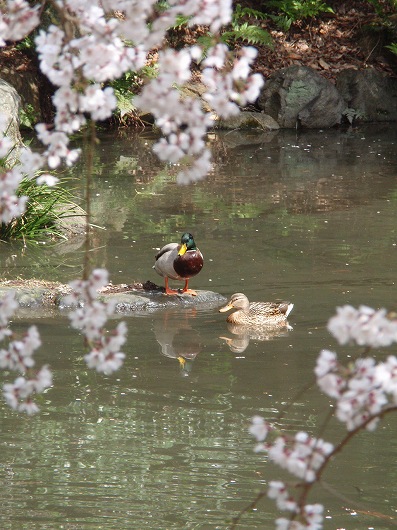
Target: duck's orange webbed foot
[190, 291]
[171, 292]
[187, 290]
[168, 290]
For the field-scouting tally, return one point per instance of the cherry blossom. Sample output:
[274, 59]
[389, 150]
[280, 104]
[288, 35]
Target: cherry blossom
[48, 180]
[212, 13]
[361, 389]
[329, 378]
[90, 316]
[386, 376]
[286, 524]
[10, 204]
[182, 120]
[311, 514]
[278, 491]
[100, 103]
[301, 456]
[364, 326]
[8, 306]
[19, 394]
[17, 20]
[57, 146]
[18, 355]
[108, 358]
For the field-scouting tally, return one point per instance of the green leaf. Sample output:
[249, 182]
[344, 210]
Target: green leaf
[251, 34]
[392, 47]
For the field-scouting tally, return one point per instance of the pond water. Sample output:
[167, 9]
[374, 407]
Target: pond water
[163, 444]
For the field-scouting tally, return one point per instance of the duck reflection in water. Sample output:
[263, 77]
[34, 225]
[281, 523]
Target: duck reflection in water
[257, 321]
[243, 334]
[177, 339]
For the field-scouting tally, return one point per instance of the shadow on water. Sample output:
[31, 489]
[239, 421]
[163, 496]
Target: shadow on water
[163, 443]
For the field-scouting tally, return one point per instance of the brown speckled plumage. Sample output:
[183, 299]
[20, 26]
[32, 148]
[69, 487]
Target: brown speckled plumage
[256, 313]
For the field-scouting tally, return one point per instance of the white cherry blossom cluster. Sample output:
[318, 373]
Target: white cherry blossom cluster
[362, 389]
[17, 20]
[212, 13]
[278, 492]
[72, 64]
[19, 393]
[57, 146]
[106, 357]
[228, 80]
[17, 355]
[90, 316]
[301, 455]
[10, 204]
[311, 515]
[8, 306]
[364, 326]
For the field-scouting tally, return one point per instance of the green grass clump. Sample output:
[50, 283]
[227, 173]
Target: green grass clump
[46, 207]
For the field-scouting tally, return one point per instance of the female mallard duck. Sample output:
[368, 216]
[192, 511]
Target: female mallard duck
[257, 313]
[179, 262]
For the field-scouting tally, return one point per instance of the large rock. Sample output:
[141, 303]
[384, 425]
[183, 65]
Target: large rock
[247, 120]
[43, 298]
[298, 95]
[9, 106]
[369, 95]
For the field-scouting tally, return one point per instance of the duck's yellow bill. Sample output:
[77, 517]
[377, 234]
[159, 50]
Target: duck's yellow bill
[182, 250]
[225, 308]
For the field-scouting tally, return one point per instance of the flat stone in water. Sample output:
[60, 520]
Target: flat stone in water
[148, 297]
[153, 301]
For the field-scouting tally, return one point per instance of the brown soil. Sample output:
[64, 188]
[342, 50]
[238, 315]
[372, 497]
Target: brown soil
[351, 37]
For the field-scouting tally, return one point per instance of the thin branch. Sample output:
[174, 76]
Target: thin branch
[251, 506]
[359, 506]
[307, 486]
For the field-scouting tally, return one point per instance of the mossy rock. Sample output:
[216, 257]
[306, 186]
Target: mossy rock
[33, 295]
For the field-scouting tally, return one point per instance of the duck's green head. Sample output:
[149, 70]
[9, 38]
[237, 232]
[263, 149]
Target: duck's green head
[187, 243]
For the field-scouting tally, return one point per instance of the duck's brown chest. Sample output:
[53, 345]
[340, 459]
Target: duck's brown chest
[189, 264]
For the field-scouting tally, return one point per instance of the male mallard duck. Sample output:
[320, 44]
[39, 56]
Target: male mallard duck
[179, 262]
[256, 313]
